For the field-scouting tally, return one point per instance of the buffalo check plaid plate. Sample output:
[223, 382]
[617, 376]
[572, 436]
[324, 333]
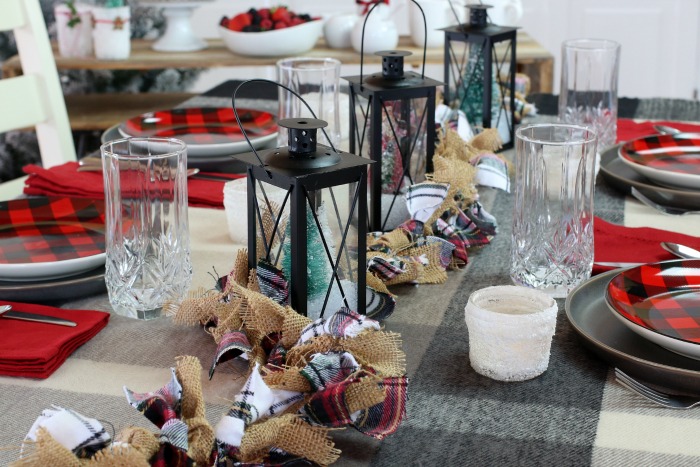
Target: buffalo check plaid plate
[666, 159]
[661, 302]
[45, 238]
[206, 129]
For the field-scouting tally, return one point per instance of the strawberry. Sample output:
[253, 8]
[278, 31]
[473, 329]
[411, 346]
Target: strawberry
[280, 25]
[238, 22]
[281, 13]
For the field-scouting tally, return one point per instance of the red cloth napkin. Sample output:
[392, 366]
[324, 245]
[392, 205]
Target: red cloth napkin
[616, 243]
[36, 350]
[629, 129]
[65, 180]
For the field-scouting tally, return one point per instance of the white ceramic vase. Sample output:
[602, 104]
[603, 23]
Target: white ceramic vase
[338, 30]
[112, 33]
[380, 33]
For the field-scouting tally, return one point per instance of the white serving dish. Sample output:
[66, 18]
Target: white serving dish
[278, 42]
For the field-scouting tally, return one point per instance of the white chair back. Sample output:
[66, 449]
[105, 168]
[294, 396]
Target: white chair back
[35, 98]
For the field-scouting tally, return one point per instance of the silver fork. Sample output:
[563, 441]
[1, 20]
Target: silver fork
[665, 400]
[670, 210]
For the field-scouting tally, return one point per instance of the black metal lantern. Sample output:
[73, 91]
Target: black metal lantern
[322, 247]
[392, 122]
[480, 72]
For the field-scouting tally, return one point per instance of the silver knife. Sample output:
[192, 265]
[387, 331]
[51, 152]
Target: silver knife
[5, 312]
[617, 265]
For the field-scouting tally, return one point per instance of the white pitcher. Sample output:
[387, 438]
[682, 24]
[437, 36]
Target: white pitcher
[380, 33]
[438, 15]
[505, 12]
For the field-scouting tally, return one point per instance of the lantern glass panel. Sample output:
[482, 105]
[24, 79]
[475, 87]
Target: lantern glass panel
[331, 251]
[403, 155]
[467, 83]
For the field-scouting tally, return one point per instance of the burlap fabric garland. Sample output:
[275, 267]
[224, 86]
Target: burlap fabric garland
[134, 446]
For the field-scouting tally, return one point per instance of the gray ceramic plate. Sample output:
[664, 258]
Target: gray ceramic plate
[612, 341]
[622, 177]
[81, 285]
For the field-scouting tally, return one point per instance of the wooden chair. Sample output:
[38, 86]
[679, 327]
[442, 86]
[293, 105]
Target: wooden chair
[34, 99]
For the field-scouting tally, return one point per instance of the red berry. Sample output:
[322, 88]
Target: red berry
[280, 14]
[280, 25]
[224, 22]
[266, 24]
[238, 22]
[296, 21]
[265, 13]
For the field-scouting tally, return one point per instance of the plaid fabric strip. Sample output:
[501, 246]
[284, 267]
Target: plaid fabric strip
[232, 344]
[82, 435]
[329, 368]
[162, 408]
[244, 406]
[379, 305]
[347, 323]
[283, 400]
[272, 282]
[39, 230]
[328, 406]
[477, 216]
[383, 419]
[256, 400]
[422, 199]
[277, 358]
[446, 248]
[170, 456]
[413, 227]
[491, 171]
[343, 323]
[226, 455]
[385, 268]
[202, 125]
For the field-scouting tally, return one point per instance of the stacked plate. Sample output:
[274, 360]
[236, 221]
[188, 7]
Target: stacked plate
[644, 320]
[660, 302]
[212, 134]
[51, 248]
[665, 168]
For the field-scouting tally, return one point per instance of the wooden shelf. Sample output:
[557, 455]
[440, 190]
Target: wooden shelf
[100, 111]
[531, 57]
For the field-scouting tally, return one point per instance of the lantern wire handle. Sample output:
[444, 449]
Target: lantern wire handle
[238, 120]
[425, 38]
[454, 12]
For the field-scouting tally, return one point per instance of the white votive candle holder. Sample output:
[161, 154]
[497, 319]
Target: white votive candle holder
[236, 202]
[510, 331]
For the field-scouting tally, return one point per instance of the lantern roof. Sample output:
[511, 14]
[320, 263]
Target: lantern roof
[490, 30]
[376, 82]
[325, 176]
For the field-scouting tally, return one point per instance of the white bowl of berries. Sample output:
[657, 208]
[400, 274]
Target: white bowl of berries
[270, 32]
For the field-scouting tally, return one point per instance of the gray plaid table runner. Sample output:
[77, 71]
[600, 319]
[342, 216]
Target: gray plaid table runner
[574, 414]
